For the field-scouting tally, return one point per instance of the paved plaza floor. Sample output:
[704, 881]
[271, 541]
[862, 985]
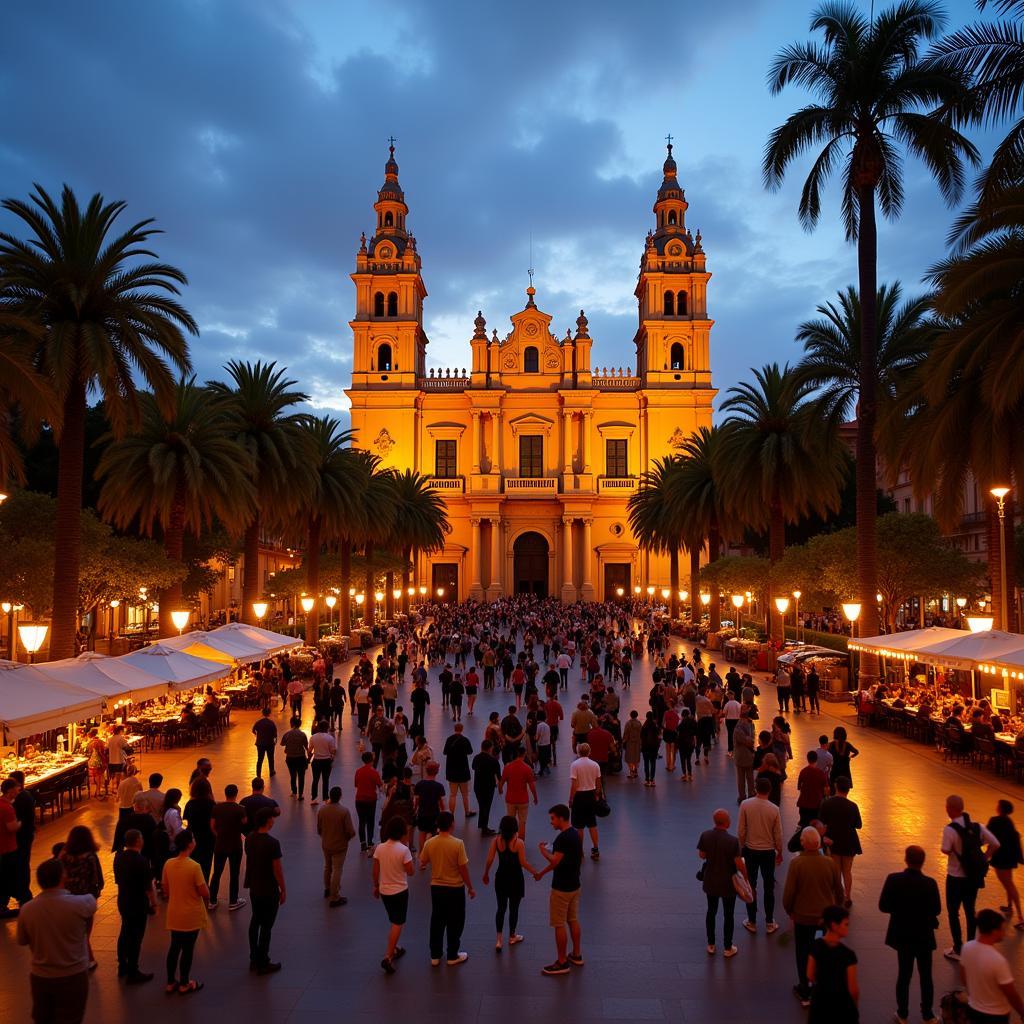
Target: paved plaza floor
[642, 909]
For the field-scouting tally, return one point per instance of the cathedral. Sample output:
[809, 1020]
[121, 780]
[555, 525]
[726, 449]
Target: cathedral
[535, 451]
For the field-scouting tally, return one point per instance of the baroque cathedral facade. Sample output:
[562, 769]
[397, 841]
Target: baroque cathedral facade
[535, 451]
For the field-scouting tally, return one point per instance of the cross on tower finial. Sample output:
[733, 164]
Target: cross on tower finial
[391, 141]
[668, 139]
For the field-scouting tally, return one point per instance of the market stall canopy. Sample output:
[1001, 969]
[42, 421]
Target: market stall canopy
[270, 643]
[907, 646]
[32, 702]
[124, 679]
[216, 646]
[179, 670]
[972, 650]
[196, 644]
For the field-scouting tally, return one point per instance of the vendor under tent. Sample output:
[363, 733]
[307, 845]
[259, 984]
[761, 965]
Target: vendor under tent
[89, 673]
[181, 671]
[32, 702]
[140, 685]
[229, 648]
[271, 643]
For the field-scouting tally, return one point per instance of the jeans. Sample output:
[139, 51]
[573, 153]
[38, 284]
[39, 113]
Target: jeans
[960, 892]
[447, 915]
[129, 942]
[803, 939]
[650, 763]
[334, 862]
[321, 771]
[484, 799]
[761, 862]
[784, 695]
[366, 811]
[59, 1000]
[264, 913]
[418, 714]
[297, 774]
[906, 958]
[728, 912]
[233, 858]
[179, 956]
[812, 701]
[730, 728]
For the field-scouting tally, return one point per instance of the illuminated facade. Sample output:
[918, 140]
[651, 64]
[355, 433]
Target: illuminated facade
[535, 451]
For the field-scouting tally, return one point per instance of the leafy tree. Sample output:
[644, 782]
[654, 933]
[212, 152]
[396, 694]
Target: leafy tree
[873, 96]
[98, 319]
[26, 397]
[421, 521]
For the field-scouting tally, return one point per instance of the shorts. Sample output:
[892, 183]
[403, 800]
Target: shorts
[563, 907]
[582, 810]
[397, 906]
[427, 824]
[669, 736]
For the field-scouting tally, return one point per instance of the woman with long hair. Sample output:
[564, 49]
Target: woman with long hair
[83, 874]
[187, 897]
[197, 814]
[509, 884]
[650, 744]
[843, 752]
[1007, 858]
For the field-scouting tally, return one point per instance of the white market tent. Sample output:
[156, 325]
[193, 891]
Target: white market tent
[224, 647]
[908, 645]
[32, 702]
[109, 677]
[974, 649]
[179, 670]
[270, 642]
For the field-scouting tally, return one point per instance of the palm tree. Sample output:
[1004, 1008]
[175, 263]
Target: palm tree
[181, 472]
[26, 397]
[777, 461]
[655, 521]
[256, 404]
[330, 502]
[99, 319]
[873, 95]
[421, 520]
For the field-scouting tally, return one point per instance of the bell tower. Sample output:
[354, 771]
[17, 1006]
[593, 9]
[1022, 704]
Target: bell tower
[673, 337]
[389, 341]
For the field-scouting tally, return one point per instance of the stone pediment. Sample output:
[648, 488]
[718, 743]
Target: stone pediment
[531, 423]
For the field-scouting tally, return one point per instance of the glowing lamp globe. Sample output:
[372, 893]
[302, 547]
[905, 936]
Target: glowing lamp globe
[396, 593]
[259, 608]
[650, 590]
[33, 635]
[851, 609]
[360, 598]
[307, 604]
[378, 596]
[977, 623]
[705, 599]
[619, 591]
[664, 593]
[782, 605]
[423, 590]
[330, 600]
[737, 600]
[180, 619]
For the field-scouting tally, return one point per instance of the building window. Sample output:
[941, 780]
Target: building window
[676, 357]
[906, 504]
[531, 455]
[672, 217]
[378, 304]
[670, 304]
[681, 304]
[531, 360]
[616, 462]
[389, 220]
[445, 464]
[392, 304]
[384, 357]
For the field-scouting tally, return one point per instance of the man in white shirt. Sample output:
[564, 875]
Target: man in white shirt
[323, 748]
[760, 834]
[962, 883]
[564, 663]
[991, 993]
[731, 714]
[584, 789]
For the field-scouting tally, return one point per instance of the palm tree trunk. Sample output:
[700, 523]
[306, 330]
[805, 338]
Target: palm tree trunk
[68, 540]
[174, 543]
[345, 614]
[370, 604]
[715, 607]
[673, 575]
[313, 580]
[776, 549]
[389, 596]
[251, 570]
[695, 605]
[866, 469]
[406, 559]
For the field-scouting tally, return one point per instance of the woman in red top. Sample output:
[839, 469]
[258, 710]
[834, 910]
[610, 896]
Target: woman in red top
[368, 785]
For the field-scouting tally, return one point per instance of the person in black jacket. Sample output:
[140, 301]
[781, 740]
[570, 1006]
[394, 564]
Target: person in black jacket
[136, 899]
[842, 820]
[911, 899]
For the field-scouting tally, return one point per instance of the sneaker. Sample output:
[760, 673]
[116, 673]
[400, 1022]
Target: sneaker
[460, 959]
[595, 854]
[804, 997]
[771, 927]
[269, 968]
[138, 978]
[558, 967]
[731, 951]
[711, 950]
[388, 966]
[238, 904]
[339, 902]
[751, 927]
[435, 963]
[897, 1019]
[398, 953]
[951, 954]
[513, 939]
[211, 905]
[576, 959]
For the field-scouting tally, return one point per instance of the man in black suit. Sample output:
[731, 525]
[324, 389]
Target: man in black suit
[911, 899]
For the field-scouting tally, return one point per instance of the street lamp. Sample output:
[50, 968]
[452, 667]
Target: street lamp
[360, 598]
[979, 623]
[737, 603]
[664, 593]
[705, 599]
[440, 593]
[851, 609]
[650, 590]
[619, 591]
[33, 636]
[1000, 493]
[259, 609]
[961, 603]
[423, 591]
[636, 589]
[330, 600]
[796, 613]
[307, 604]
[180, 620]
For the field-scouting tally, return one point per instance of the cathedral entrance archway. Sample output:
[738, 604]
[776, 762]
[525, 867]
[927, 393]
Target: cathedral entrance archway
[530, 564]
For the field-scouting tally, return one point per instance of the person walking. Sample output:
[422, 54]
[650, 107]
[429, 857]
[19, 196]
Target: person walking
[264, 878]
[486, 776]
[731, 714]
[518, 784]
[55, 926]
[832, 972]
[813, 883]
[911, 899]
[991, 993]
[720, 851]
[334, 826]
[509, 885]
[392, 869]
[368, 785]
[186, 893]
[457, 750]
[296, 756]
[227, 821]
[968, 847]
[83, 873]
[197, 815]
[136, 900]
[449, 883]
[843, 752]
[743, 755]
[812, 786]
[10, 826]
[564, 860]
[759, 831]
[1004, 861]
[650, 744]
[631, 745]
[585, 787]
[265, 731]
[841, 818]
[323, 749]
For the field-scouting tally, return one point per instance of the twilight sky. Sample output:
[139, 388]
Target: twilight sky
[255, 131]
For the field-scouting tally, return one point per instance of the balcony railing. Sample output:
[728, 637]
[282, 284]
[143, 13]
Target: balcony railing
[610, 379]
[531, 486]
[617, 484]
[448, 484]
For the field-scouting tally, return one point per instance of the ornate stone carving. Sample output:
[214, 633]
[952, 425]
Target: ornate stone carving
[677, 438]
[383, 442]
[551, 361]
[509, 362]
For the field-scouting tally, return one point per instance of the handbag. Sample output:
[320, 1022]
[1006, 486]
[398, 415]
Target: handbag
[602, 808]
[742, 887]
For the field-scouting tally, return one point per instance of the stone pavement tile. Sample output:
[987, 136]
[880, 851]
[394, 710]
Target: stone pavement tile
[632, 1009]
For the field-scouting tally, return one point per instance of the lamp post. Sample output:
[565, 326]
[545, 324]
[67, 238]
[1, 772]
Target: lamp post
[705, 600]
[1000, 493]
[619, 591]
[796, 613]
[851, 609]
[737, 603]
[8, 609]
[33, 636]
[378, 608]
[180, 620]
[330, 600]
[782, 606]
[961, 603]
[259, 609]
[360, 598]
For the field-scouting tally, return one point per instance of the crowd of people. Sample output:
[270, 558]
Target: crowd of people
[564, 672]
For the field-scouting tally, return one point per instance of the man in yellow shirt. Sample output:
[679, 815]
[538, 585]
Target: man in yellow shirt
[449, 883]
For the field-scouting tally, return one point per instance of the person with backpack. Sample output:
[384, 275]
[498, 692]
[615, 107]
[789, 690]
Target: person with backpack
[968, 847]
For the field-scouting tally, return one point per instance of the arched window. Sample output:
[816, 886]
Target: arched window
[389, 220]
[384, 356]
[670, 304]
[392, 304]
[531, 360]
[681, 304]
[378, 304]
[676, 360]
[672, 216]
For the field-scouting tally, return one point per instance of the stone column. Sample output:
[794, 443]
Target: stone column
[495, 442]
[476, 589]
[587, 417]
[588, 558]
[567, 443]
[568, 587]
[476, 441]
[494, 588]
